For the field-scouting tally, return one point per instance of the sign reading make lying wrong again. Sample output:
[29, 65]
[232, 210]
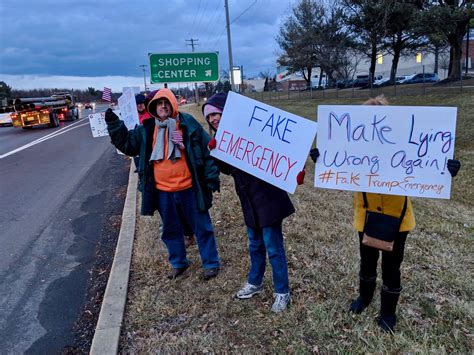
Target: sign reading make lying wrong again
[397, 150]
[264, 141]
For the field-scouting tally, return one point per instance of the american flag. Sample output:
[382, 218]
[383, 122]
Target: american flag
[107, 94]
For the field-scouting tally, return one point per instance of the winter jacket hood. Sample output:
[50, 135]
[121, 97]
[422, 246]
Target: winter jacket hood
[152, 100]
[139, 141]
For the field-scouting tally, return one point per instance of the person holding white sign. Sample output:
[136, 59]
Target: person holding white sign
[264, 207]
[177, 170]
[372, 215]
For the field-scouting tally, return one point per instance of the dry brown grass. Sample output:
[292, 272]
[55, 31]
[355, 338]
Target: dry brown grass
[436, 307]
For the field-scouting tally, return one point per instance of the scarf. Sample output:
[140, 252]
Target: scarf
[159, 148]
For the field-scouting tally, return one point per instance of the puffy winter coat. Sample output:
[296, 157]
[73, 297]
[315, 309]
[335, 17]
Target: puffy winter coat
[263, 204]
[139, 141]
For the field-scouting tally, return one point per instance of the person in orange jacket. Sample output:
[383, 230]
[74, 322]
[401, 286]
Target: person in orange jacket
[391, 205]
[176, 168]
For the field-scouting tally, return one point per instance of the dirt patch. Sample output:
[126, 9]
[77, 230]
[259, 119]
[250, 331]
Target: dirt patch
[99, 274]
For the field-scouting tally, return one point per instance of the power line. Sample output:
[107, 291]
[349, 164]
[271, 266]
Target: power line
[213, 16]
[243, 12]
[195, 16]
[235, 19]
[202, 15]
[192, 44]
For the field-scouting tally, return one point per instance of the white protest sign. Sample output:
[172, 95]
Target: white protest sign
[98, 125]
[395, 150]
[128, 108]
[264, 141]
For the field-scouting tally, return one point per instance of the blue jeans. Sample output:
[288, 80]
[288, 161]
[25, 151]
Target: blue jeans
[261, 241]
[173, 235]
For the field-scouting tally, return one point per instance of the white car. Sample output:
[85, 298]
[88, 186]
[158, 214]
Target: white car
[381, 82]
[402, 79]
[5, 119]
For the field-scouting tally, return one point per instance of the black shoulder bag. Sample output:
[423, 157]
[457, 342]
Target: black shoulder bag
[380, 230]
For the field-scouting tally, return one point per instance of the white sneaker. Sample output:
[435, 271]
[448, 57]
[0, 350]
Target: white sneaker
[249, 290]
[282, 301]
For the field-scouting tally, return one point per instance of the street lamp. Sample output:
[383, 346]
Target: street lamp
[143, 66]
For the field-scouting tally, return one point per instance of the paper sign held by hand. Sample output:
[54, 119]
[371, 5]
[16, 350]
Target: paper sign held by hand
[128, 108]
[264, 141]
[98, 125]
[395, 150]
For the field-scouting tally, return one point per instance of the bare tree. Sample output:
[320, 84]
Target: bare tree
[349, 63]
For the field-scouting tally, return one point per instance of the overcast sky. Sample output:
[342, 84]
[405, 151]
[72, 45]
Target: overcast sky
[102, 43]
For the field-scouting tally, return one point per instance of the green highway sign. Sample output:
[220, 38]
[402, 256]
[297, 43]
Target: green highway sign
[183, 67]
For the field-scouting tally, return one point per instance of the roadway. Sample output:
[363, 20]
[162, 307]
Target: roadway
[60, 190]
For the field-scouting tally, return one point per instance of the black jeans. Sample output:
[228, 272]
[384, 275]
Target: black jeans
[391, 261]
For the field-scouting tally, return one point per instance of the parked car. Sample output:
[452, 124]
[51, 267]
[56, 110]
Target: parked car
[5, 119]
[342, 84]
[403, 78]
[381, 82]
[420, 78]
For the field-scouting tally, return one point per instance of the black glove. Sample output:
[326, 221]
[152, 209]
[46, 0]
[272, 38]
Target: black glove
[314, 154]
[453, 167]
[110, 116]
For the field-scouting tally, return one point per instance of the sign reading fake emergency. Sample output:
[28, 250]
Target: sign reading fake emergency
[264, 141]
[395, 150]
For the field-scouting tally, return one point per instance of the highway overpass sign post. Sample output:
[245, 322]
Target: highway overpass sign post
[184, 67]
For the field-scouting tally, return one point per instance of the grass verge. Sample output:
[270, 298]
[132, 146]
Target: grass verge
[436, 307]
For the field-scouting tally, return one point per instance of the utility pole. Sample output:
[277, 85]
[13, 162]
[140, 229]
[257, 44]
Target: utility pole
[229, 46]
[192, 44]
[143, 66]
[467, 46]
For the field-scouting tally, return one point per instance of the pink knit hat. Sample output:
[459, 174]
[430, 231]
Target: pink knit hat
[208, 109]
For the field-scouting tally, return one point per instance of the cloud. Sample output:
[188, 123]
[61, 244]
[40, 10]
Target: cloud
[113, 37]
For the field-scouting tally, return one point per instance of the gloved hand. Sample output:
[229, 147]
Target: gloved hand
[300, 177]
[314, 154]
[453, 166]
[212, 144]
[214, 186]
[110, 116]
[177, 138]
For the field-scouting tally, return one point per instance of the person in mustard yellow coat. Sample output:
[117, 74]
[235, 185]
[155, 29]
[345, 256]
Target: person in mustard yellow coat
[391, 205]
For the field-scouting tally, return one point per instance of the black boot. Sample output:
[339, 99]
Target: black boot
[388, 305]
[366, 293]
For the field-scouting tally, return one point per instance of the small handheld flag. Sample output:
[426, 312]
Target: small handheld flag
[107, 94]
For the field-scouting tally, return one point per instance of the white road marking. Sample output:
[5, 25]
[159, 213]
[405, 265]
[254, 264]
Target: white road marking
[48, 136]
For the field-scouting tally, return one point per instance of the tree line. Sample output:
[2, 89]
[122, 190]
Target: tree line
[88, 95]
[336, 37]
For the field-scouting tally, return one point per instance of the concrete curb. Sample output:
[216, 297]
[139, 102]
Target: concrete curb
[107, 331]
